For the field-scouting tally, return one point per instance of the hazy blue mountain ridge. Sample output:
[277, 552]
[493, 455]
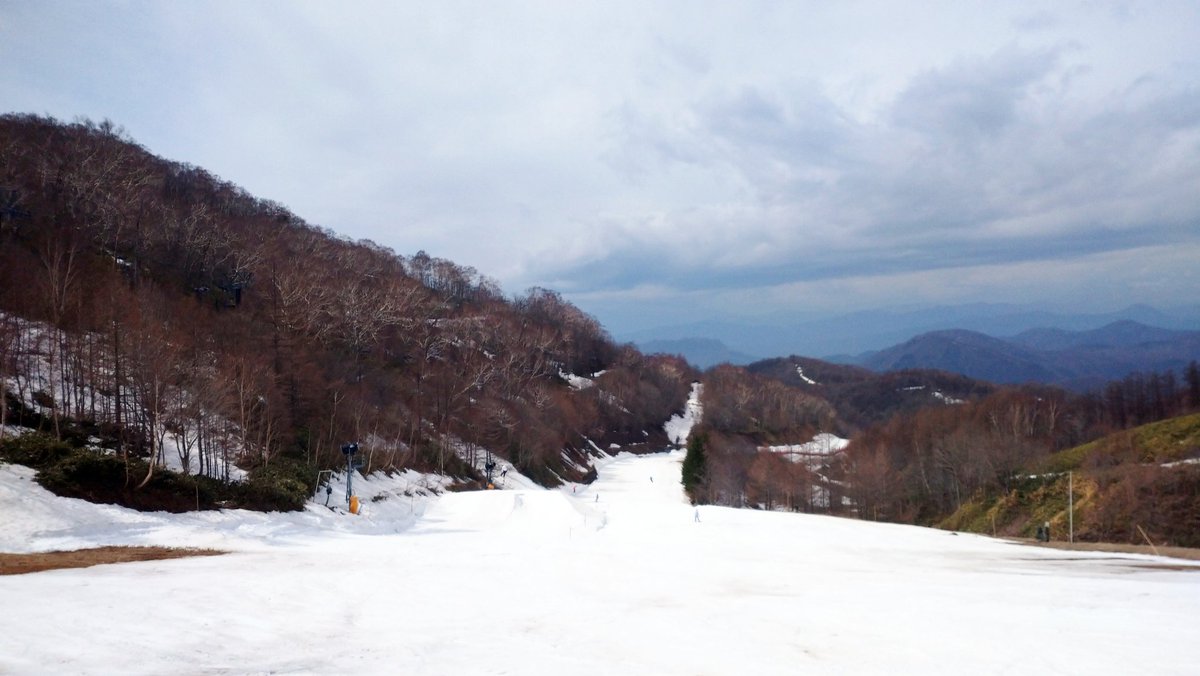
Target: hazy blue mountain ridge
[1124, 333]
[1079, 360]
[700, 352]
[844, 338]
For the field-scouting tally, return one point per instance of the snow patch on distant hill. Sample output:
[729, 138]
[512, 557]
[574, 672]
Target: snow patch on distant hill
[579, 382]
[936, 394]
[800, 372]
[947, 399]
[822, 446]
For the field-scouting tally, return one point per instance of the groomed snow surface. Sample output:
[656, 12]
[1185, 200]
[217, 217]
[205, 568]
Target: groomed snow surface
[612, 578]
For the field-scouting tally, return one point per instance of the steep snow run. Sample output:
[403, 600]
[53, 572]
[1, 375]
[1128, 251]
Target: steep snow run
[679, 427]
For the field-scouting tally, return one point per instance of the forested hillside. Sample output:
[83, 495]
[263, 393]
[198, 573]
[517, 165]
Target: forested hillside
[772, 432]
[155, 306]
[862, 397]
[926, 466]
[923, 444]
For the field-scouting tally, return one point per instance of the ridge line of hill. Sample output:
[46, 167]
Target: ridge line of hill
[1078, 360]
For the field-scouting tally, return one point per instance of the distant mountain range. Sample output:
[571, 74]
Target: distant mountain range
[700, 352]
[838, 338]
[1079, 360]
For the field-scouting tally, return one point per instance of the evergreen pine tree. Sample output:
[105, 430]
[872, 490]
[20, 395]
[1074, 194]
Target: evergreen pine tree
[694, 465]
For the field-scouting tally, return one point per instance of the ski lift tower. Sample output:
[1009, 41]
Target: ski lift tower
[350, 450]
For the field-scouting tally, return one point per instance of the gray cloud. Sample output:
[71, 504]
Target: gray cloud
[985, 161]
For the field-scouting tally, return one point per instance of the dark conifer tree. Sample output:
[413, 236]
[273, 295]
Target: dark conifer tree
[694, 466]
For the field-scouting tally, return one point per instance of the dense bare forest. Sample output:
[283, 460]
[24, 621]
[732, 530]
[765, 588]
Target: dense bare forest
[925, 466]
[175, 304]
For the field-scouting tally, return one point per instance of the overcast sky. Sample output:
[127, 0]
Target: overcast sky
[662, 162]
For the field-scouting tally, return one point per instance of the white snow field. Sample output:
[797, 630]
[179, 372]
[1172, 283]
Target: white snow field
[560, 582]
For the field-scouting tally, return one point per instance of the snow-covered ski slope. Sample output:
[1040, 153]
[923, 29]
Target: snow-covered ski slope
[612, 578]
[679, 427]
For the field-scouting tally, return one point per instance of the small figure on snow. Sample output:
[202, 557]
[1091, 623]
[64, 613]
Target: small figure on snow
[697, 515]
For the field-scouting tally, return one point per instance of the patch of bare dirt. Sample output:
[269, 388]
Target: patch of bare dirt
[17, 564]
[1118, 548]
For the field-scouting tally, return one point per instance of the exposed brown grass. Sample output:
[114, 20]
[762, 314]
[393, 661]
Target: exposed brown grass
[17, 564]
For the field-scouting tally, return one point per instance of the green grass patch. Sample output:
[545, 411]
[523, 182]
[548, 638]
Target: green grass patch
[1169, 440]
[1068, 460]
[1160, 442]
[1020, 510]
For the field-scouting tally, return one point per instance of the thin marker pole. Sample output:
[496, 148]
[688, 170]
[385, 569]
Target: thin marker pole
[1071, 506]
